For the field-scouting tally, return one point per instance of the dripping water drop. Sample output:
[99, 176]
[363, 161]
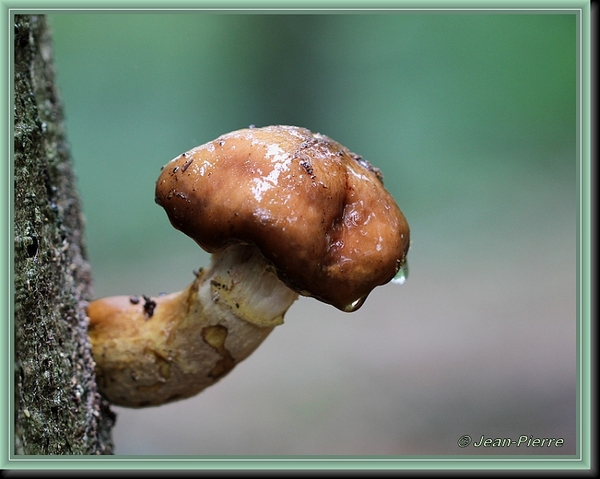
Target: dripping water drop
[401, 275]
[354, 305]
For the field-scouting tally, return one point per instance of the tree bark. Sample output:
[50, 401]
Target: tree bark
[58, 409]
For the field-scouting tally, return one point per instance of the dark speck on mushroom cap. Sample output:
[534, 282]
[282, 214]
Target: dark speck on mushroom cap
[318, 212]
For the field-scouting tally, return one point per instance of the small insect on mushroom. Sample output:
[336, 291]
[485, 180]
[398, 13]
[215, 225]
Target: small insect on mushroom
[284, 212]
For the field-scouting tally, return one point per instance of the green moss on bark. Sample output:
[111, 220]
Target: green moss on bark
[58, 409]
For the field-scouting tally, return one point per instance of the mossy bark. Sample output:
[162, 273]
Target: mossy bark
[57, 407]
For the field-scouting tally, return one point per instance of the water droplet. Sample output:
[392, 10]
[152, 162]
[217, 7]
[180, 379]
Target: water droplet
[354, 305]
[402, 274]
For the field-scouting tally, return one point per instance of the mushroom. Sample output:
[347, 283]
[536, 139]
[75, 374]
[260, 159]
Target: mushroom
[284, 212]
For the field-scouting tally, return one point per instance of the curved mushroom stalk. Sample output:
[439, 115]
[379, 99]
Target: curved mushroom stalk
[156, 350]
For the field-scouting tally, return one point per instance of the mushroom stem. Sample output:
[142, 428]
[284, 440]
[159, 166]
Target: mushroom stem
[156, 350]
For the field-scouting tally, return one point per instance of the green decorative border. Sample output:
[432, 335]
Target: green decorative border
[581, 461]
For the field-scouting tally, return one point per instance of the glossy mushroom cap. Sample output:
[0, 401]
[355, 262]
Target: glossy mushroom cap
[316, 211]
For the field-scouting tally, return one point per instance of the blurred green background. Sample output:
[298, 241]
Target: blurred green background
[471, 118]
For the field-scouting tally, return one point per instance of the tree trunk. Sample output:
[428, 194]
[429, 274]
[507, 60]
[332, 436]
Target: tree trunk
[58, 409]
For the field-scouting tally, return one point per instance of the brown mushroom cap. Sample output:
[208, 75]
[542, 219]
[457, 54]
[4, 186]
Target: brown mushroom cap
[316, 211]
